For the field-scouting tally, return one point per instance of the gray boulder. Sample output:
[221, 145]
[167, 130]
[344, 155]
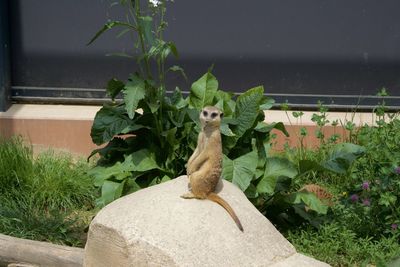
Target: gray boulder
[155, 227]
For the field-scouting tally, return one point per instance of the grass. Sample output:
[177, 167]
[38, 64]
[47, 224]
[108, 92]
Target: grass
[16, 163]
[339, 246]
[61, 182]
[45, 198]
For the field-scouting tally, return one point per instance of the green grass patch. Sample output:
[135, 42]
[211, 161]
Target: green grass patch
[16, 163]
[47, 198]
[339, 246]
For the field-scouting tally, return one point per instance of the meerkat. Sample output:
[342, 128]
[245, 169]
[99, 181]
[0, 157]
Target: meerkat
[205, 164]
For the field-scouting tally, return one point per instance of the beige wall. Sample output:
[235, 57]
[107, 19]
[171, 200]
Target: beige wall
[51, 126]
[68, 127]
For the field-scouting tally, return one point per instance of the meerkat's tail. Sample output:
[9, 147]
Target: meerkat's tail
[214, 197]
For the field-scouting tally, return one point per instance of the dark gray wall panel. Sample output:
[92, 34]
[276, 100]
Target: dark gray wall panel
[290, 46]
[5, 83]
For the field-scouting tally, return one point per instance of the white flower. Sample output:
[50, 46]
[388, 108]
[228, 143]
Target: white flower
[155, 2]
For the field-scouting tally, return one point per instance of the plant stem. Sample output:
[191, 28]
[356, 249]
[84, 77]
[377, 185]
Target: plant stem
[161, 64]
[141, 40]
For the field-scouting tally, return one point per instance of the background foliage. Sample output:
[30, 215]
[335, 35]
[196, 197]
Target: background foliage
[150, 134]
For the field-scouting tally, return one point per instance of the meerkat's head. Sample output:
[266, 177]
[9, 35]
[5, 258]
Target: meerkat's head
[210, 117]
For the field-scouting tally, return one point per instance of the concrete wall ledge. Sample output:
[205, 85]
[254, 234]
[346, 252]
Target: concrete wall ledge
[60, 127]
[67, 127]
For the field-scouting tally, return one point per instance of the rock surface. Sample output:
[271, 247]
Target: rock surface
[155, 227]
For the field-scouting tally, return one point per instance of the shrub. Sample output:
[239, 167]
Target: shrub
[374, 184]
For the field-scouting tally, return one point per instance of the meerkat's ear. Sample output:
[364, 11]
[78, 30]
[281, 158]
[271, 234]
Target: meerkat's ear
[221, 115]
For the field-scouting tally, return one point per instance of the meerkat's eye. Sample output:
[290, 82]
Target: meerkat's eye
[221, 115]
[213, 115]
[205, 113]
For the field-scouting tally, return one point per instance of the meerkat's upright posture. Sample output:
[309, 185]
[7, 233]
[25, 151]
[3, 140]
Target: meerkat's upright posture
[205, 165]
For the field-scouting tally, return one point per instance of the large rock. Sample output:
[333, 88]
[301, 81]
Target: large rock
[155, 227]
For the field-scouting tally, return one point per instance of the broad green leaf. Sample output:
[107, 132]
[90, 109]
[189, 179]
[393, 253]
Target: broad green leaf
[133, 127]
[225, 130]
[193, 115]
[203, 91]
[146, 23]
[157, 180]
[114, 86]
[222, 95]
[225, 102]
[173, 49]
[342, 156]
[115, 145]
[251, 191]
[143, 160]
[230, 121]
[153, 105]
[110, 25]
[283, 183]
[275, 168]
[132, 186]
[157, 48]
[163, 49]
[170, 135]
[220, 105]
[311, 201]
[267, 103]
[179, 69]
[118, 171]
[247, 108]
[101, 174]
[111, 191]
[228, 143]
[134, 91]
[108, 122]
[178, 117]
[309, 165]
[281, 127]
[165, 178]
[177, 99]
[240, 171]
[263, 127]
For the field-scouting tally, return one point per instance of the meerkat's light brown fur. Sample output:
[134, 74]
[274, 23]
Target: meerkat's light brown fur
[205, 165]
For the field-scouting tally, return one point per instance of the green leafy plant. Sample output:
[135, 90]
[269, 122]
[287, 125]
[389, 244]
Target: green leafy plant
[149, 136]
[276, 193]
[374, 188]
[144, 158]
